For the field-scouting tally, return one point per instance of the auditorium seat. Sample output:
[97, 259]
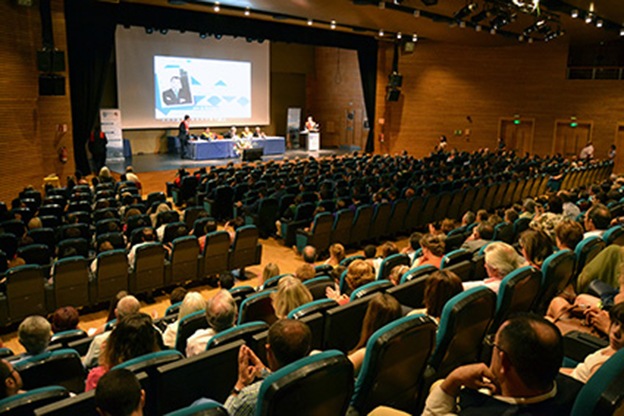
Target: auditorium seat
[319, 384]
[8, 244]
[26, 403]
[429, 209]
[370, 289]
[38, 254]
[215, 258]
[43, 236]
[557, 271]
[137, 221]
[463, 324]
[71, 283]
[318, 286]
[379, 223]
[586, 250]
[66, 337]
[167, 217]
[155, 197]
[404, 346]
[183, 264]
[203, 409]
[504, 232]
[191, 214]
[171, 231]
[111, 276]
[413, 214]
[410, 293]
[459, 262]
[274, 281]
[341, 228]
[319, 235]
[240, 293]
[187, 327]
[149, 362]
[187, 190]
[148, 269]
[58, 368]
[397, 217]
[24, 296]
[321, 305]
[258, 307]
[344, 324]
[265, 218]
[104, 226]
[361, 225]
[614, 235]
[301, 219]
[220, 206]
[81, 245]
[390, 263]
[105, 213]
[517, 293]
[442, 207]
[246, 250]
[243, 332]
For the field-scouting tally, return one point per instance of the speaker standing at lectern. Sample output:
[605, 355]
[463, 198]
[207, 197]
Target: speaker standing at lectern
[183, 134]
[311, 125]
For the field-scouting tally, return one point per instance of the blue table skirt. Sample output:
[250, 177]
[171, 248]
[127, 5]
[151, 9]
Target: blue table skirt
[224, 149]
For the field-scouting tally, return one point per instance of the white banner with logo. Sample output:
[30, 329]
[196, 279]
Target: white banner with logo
[110, 120]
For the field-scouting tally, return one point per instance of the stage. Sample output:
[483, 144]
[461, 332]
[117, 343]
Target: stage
[164, 161]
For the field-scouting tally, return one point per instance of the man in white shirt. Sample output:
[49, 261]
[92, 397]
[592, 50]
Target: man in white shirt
[587, 152]
[597, 221]
[221, 314]
[147, 236]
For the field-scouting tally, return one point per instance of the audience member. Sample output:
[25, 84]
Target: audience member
[568, 234]
[336, 255]
[221, 313]
[65, 319]
[570, 210]
[536, 247]
[226, 280]
[529, 207]
[291, 293]
[500, 260]
[34, 334]
[269, 271]
[597, 221]
[413, 246]
[397, 273]
[288, 341]
[119, 393]
[432, 249]
[104, 247]
[526, 356]
[177, 295]
[309, 254]
[387, 249]
[305, 272]
[511, 215]
[193, 302]
[382, 310]
[359, 273]
[439, 288]
[11, 380]
[481, 235]
[133, 337]
[147, 237]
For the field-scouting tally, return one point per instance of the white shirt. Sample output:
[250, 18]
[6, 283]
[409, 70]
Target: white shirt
[132, 253]
[196, 343]
[170, 335]
[95, 349]
[595, 233]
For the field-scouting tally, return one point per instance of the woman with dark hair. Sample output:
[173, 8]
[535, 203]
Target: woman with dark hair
[536, 247]
[133, 337]
[65, 319]
[382, 309]
[359, 273]
[440, 287]
[432, 251]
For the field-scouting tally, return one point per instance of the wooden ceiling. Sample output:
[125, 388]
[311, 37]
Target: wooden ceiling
[392, 19]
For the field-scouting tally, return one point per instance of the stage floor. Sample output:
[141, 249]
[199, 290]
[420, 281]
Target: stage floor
[163, 161]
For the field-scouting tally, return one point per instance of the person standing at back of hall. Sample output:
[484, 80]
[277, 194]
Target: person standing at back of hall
[97, 147]
[183, 134]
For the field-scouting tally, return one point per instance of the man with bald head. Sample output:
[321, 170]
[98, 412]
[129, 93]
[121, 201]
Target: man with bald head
[309, 254]
[523, 377]
[127, 305]
[221, 313]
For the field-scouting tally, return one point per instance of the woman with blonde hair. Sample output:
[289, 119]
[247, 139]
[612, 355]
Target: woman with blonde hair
[432, 251]
[291, 294]
[359, 273]
[105, 175]
[336, 255]
[269, 271]
[192, 302]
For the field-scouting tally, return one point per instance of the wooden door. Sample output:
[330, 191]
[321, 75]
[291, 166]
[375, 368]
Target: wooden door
[569, 140]
[517, 134]
[619, 149]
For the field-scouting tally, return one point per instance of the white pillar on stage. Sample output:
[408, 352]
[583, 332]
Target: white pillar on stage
[314, 141]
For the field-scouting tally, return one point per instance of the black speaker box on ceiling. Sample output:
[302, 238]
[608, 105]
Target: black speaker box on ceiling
[393, 94]
[50, 84]
[395, 80]
[249, 155]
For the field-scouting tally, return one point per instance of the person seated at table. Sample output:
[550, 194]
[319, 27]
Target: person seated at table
[208, 135]
[230, 134]
[259, 134]
[247, 133]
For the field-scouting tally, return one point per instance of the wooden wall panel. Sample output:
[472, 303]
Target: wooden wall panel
[443, 84]
[335, 88]
[29, 136]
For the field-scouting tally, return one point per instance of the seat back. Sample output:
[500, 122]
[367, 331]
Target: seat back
[413, 215]
[82, 404]
[184, 259]
[463, 325]
[397, 216]
[320, 384]
[149, 268]
[245, 250]
[180, 383]
[66, 337]
[379, 224]
[347, 261]
[321, 305]
[26, 403]
[111, 274]
[603, 393]
[149, 362]
[410, 293]
[394, 364]
[318, 286]
[15, 227]
[25, 292]
[35, 254]
[614, 235]
[455, 257]
[390, 263]
[343, 325]
[557, 270]
[370, 289]
[321, 232]
[258, 307]
[341, 228]
[81, 245]
[361, 225]
[517, 293]
[171, 231]
[43, 236]
[202, 409]
[187, 327]
[8, 244]
[504, 232]
[267, 215]
[520, 225]
[586, 250]
[71, 282]
[216, 252]
[58, 368]
[243, 332]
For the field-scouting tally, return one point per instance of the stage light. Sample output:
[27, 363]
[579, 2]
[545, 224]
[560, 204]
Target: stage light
[416, 13]
[621, 32]
[462, 24]
[599, 23]
[310, 22]
[520, 38]
[164, 31]
[478, 28]
[333, 25]
[589, 18]
[399, 35]
[415, 38]
[381, 33]
[574, 14]
[247, 11]
[149, 30]
[465, 11]
[203, 35]
[219, 36]
[530, 40]
[217, 7]
[492, 31]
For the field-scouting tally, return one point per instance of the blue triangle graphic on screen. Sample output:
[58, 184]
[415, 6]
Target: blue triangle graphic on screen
[228, 98]
[194, 81]
[198, 98]
[172, 66]
[221, 84]
[214, 100]
[243, 101]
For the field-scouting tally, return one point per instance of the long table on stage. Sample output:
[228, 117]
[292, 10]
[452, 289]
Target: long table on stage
[224, 149]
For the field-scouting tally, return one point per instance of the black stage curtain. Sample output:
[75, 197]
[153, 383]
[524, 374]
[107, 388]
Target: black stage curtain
[91, 27]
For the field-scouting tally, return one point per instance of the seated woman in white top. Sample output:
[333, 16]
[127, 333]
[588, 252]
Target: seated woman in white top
[592, 363]
[193, 302]
[382, 309]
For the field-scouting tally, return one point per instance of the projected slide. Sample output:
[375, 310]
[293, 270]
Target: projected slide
[205, 89]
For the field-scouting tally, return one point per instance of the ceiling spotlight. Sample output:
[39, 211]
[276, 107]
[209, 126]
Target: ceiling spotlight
[465, 11]
[599, 23]
[218, 36]
[500, 21]
[520, 38]
[203, 35]
[247, 11]
[333, 24]
[164, 31]
[149, 30]
[462, 24]
[621, 32]
[574, 14]
[310, 22]
[492, 31]
[478, 28]
[589, 18]
[530, 40]
[381, 33]
[217, 7]
[416, 13]
[415, 38]
[399, 35]
[382, 5]
[535, 26]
